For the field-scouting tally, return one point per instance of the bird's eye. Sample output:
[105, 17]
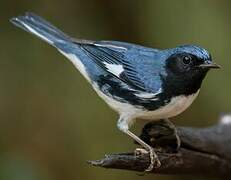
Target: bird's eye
[187, 60]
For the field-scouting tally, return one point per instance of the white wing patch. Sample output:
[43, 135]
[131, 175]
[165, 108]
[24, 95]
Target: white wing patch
[115, 69]
[35, 32]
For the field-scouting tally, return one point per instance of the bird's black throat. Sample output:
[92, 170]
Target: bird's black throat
[185, 84]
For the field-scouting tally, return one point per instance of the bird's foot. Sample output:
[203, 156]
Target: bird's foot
[154, 160]
[140, 151]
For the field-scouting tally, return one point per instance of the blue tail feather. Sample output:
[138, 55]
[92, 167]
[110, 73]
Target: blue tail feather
[41, 28]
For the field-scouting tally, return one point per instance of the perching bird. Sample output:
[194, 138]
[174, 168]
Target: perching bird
[136, 81]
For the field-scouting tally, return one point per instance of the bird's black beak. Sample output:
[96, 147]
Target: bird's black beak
[210, 65]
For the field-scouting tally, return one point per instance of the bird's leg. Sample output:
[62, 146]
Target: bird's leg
[123, 125]
[155, 162]
[172, 126]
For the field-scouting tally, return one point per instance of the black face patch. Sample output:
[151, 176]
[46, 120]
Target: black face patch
[183, 63]
[184, 77]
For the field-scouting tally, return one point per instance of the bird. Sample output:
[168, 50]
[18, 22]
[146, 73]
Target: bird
[137, 82]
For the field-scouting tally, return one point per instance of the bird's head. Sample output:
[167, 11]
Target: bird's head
[187, 66]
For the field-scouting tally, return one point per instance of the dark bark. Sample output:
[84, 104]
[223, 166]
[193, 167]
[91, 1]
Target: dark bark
[204, 151]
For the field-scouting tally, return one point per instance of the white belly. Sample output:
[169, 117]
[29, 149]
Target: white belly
[176, 106]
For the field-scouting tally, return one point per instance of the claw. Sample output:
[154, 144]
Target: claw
[140, 151]
[154, 161]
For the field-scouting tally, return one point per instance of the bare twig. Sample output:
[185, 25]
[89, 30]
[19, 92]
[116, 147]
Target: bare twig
[204, 151]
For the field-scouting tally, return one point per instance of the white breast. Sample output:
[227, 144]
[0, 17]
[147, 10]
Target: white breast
[176, 106]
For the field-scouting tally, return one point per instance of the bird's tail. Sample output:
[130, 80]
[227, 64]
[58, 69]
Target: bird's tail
[41, 28]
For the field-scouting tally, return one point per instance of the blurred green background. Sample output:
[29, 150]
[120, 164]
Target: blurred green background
[51, 120]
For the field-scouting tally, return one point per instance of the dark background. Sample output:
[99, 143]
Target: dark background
[51, 120]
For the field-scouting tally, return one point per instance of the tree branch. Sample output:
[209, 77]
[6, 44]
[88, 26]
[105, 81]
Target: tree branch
[205, 151]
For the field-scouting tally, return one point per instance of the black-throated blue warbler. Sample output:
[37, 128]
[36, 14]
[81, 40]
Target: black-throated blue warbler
[136, 81]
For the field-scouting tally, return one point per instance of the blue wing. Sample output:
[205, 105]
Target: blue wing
[135, 68]
[132, 64]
